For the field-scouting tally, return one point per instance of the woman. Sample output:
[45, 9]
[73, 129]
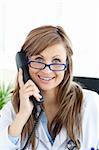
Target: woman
[70, 118]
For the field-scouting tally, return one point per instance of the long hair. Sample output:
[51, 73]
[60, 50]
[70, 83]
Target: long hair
[69, 96]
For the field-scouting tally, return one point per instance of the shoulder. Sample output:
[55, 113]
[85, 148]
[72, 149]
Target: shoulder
[7, 106]
[7, 115]
[8, 109]
[90, 124]
[91, 107]
[91, 98]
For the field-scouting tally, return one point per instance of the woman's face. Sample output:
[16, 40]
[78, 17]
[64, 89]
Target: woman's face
[47, 79]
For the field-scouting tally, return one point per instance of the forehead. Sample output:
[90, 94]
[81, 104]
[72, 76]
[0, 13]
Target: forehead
[55, 50]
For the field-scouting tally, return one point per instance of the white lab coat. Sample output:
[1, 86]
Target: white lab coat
[90, 128]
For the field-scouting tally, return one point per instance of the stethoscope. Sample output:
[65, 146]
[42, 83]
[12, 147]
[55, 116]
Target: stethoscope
[70, 145]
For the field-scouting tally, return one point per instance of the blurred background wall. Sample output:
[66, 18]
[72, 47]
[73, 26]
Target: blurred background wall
[79, 18]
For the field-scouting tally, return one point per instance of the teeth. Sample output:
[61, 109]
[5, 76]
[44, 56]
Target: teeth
[45, 78]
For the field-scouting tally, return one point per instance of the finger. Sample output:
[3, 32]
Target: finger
[31, 83]
[34, 94]
[31, 88]
[20, 78]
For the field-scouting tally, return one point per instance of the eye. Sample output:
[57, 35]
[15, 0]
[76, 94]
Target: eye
[56, 60]
[39, 59]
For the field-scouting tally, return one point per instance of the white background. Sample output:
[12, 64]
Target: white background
[79, 18]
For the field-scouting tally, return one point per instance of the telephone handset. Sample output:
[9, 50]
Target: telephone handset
[21, 62]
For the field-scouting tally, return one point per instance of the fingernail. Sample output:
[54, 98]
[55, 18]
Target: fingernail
[40, 96]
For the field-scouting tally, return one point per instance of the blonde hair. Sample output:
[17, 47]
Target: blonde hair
[69, 96]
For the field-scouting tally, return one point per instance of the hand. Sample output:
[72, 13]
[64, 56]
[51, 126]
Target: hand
[26, 90]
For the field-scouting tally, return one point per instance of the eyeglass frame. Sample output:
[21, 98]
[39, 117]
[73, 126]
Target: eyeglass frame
[48, 65]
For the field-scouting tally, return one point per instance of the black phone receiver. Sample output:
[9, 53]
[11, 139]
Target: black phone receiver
[22, 62]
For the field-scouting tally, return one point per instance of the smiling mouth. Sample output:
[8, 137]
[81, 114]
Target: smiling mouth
[45, 78]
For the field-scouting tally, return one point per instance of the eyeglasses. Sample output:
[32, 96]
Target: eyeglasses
[53, 67]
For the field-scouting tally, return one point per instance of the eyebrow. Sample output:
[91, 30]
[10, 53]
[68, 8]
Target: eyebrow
[52, 57]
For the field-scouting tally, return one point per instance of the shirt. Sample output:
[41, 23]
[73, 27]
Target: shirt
[90, 128]
[44, 123]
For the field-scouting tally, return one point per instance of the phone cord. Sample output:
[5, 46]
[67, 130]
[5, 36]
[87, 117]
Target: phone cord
[33, 130]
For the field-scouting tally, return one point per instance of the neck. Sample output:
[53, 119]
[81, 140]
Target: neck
[50, 97]
[50, 105]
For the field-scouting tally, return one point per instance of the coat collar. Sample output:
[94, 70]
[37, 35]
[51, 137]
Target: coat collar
[59, 140]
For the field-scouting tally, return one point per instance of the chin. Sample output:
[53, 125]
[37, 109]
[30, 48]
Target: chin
[46, 87]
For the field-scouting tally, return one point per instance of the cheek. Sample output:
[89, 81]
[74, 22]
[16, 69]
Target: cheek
[32, 73]
[60, 77]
